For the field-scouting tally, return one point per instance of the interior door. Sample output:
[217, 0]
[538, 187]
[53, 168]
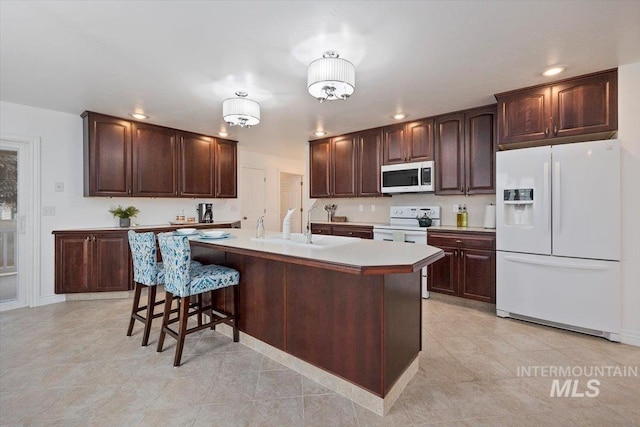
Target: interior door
[253, 196]
[586, 200]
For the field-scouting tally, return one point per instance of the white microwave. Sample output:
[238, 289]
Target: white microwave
[416, 177]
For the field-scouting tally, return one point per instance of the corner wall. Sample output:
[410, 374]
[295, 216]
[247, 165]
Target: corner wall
[629, 134]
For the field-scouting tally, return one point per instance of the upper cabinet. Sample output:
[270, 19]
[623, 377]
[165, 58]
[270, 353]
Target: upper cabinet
[226, 160]
[408, 142]
[128, 158]
[155, 161]
[197, 166]
[346, 166]
[578, 109]
[465, 147]
[107, 155]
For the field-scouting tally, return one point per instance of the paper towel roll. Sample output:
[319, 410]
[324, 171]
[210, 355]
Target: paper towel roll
[490, 216]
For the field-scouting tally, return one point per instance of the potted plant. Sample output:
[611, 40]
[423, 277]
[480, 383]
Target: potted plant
[124, 214]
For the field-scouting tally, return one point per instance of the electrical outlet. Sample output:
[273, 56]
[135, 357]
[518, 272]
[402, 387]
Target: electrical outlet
[361, 208]
[59, 187]
[455, 208]
[48, 211]
[373, 208]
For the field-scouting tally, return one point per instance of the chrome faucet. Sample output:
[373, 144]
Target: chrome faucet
[308, 232]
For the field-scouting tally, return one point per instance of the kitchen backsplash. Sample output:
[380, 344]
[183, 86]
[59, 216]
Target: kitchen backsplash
[376, 209]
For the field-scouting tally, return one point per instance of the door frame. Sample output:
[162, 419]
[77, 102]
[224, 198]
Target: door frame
[302, 178]
[28, 220]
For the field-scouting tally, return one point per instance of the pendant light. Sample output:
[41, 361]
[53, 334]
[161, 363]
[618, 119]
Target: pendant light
[241, 111]
[331, 77]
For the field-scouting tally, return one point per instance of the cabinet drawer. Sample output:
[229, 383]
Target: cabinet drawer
[461, 241]
[320, 229]
[353, 231]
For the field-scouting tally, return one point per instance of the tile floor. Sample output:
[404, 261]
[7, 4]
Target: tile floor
[71, 364]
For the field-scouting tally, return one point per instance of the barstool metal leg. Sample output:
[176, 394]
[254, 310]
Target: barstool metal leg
[236, 312]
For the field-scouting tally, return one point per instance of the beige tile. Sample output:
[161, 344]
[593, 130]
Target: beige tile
[72, 364]
[278, 412]
[232, 414]
[278, 385]
[329, 409]
[310, 387]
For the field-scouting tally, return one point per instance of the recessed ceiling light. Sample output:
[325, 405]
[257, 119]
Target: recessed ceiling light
[223, 134]
[399, 116]
[139, 116]
[320, 133]
[553, 71]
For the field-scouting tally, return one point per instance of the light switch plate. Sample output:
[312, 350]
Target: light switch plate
[361, 208]
[373, 208]
[455, 208]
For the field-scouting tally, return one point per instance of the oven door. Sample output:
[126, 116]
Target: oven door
[415, 237]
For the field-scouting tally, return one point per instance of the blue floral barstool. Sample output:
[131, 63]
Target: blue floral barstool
[184, 280]
[146, 272]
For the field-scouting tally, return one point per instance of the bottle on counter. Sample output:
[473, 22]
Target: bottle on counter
[465, 216]
[260, 227]
[459, 217]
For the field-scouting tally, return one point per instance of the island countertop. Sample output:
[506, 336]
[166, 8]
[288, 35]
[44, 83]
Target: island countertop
[358, 256]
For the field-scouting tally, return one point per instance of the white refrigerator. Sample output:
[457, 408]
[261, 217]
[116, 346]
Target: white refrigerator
[558, 236]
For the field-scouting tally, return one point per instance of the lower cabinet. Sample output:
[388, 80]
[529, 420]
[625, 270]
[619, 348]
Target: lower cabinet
[361, 231]
[100, 260]
[468, 268]
[92, 262]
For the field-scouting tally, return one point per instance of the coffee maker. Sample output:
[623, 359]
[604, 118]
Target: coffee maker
[205, 212]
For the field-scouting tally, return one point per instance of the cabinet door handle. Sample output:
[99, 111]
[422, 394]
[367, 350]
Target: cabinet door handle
[462, 189]
[93, 238]
[88, 238]
[555, 130]
[455, 252]
[458, 241]
[546, 131]
[467, 189]
[461, 254]
[129, 191]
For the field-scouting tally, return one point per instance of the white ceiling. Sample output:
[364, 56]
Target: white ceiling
[178, 60]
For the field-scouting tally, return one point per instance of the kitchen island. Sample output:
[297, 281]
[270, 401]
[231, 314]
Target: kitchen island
[345, 312]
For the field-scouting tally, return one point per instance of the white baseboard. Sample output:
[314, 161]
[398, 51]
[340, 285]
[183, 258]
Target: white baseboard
[630, 337]
[51, 299]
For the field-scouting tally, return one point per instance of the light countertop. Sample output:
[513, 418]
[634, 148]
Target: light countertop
[360, 256]
[219, 223]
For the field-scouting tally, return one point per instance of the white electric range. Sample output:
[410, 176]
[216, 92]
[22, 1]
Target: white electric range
[403, 227]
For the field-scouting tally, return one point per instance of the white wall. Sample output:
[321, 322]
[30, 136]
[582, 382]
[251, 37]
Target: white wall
[272, 166]
[629, 134]
[62, 161]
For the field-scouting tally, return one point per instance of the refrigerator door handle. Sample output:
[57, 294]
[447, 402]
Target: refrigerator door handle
[557, 212]
[546, 187]
[558, 264]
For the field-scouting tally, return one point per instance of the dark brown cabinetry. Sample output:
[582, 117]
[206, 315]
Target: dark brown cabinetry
[107, 155]
[155, 161]
[226, 169]
[346, 166]
[196, 168]
[99, 260]
[408, 142]
[92, 262]
[361, 231]
[578, 109]
[465, 145]
[469, 267]
[128, 158]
